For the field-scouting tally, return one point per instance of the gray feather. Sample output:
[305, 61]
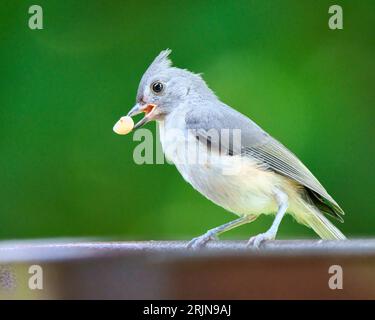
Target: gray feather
[256, 143]
[160, 63]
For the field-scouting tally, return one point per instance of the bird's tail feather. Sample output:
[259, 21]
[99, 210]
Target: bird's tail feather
[324, 228]
[316, 220]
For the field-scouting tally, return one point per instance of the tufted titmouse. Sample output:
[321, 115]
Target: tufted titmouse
[265, 177]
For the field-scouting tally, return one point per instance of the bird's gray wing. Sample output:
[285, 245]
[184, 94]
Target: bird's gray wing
[256, 143]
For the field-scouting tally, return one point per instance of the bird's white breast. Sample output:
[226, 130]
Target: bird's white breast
[238, 184]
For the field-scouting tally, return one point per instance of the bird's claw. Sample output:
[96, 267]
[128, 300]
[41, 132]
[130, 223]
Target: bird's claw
[259, 239]
[201, 241]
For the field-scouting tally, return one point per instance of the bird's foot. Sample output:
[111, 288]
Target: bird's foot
[259, 239]
[200, 242]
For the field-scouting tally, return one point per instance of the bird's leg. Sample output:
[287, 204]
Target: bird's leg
[212, 234]
[270, 234]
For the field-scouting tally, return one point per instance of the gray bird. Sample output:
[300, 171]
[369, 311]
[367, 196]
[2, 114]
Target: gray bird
[245, 171]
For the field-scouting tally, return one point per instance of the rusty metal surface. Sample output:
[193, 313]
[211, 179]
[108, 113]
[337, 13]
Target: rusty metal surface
[297, 269]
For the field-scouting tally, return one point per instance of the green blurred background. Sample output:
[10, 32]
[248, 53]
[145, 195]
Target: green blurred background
[63, 172]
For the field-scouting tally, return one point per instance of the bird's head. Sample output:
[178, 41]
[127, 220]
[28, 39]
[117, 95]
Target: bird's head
[163, 88]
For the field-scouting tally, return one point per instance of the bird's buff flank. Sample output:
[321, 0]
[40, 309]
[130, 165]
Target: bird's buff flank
[265, 177]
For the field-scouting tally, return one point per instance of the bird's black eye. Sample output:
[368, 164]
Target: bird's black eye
[157, 87]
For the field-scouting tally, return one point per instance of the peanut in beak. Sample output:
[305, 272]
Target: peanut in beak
[124, 125]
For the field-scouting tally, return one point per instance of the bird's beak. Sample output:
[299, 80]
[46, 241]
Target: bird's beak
[148, 109]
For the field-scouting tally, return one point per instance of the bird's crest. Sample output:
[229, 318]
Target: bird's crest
[161, 62]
